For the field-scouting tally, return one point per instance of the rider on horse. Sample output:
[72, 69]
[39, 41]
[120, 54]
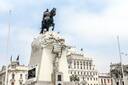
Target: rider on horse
[48, 20]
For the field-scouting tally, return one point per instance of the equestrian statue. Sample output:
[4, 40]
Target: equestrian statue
[48, 20]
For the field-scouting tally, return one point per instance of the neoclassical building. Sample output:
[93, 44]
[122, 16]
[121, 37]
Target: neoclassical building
[105, 79]
[13, 74]
[81, 68]
[119, 74]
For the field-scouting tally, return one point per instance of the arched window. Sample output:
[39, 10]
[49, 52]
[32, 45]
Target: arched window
[108, 81]
[21, 76]
[101, 81]
[105, 81]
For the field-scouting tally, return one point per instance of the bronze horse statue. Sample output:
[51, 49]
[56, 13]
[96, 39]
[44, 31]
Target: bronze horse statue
[48, 20]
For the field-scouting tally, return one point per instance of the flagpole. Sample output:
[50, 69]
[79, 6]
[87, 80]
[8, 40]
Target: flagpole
[8, 38]
[122, 70]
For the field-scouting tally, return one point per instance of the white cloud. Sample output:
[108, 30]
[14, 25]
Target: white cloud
[112, 21]
[5, 6]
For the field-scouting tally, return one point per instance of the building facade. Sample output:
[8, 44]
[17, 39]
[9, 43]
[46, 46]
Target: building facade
[13, 74]
[81, 69]
[119, 74]
[105, 79]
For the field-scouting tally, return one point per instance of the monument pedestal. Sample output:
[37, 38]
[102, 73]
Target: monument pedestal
[48, 63]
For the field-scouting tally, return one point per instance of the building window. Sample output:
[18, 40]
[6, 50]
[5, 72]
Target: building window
[12, 83]
[69, 66]
[21, 76]
[87, 67]
[101, 81]
[20, 83]
[59, 77]
[81, 67]
[83, 78]
[90, 63]
[13, 76]
[74, 62]
[90, 78]
[74, 66]
[123, 83]
[111, 81]
[81, 62]
[75, 72]
[108, 80]
[87, 63]
[94, 79]
[77, 62]
[87, 78]
[93, 73]
[84, 63]
[105, 81]
[117, 83]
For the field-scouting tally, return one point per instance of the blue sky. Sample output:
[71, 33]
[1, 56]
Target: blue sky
[89, 24]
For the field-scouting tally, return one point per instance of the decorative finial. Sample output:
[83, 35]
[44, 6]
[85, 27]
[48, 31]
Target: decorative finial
[11, 59]
[17, 58]
[81, 49]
